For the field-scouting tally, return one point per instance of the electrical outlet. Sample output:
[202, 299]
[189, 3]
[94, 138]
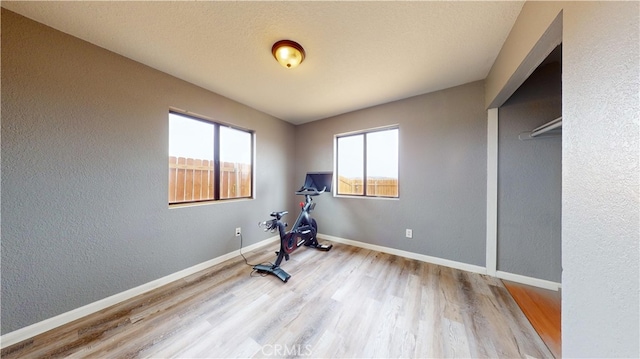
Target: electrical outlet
[238, 232]
[409, 233]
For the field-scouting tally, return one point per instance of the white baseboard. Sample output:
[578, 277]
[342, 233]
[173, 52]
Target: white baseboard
[421, 257]
[540, 283]
[64, 318]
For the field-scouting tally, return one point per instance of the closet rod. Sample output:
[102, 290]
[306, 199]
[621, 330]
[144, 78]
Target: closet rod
[552, 125]
[549, 126]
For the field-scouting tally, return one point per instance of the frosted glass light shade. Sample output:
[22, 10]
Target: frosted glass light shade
[288, 53]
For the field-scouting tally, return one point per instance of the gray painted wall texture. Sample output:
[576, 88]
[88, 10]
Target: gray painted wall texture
[530, 179]
[84, 143]
[84, 175]
[601, 180]
[600, 169]
[443, 166]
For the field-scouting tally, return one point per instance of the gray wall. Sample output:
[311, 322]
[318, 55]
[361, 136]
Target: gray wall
[443, 161]
[601, 180]
[600, 167]
[84, 175]
[530, 179]
[71, 225]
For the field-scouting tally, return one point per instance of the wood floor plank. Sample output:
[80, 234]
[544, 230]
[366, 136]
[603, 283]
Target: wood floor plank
[349, 302]
[542, 308]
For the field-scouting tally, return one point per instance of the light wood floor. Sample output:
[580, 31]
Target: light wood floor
[349, 302]
[543, 309]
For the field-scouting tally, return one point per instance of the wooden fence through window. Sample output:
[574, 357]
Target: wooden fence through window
[382, 187]
[192, 179]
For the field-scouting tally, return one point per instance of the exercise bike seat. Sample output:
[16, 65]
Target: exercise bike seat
[279, 214]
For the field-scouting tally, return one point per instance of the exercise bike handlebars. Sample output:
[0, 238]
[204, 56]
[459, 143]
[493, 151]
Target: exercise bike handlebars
[310, 191]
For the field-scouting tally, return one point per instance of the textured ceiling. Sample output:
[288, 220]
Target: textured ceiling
[359, 54]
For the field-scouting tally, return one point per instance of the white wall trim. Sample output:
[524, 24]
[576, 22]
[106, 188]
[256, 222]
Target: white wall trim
[64, 318]
[492, 192]
[406, 254]
[548, 41]
[540, 283]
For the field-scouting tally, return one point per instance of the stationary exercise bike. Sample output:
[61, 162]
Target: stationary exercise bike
[303, 231]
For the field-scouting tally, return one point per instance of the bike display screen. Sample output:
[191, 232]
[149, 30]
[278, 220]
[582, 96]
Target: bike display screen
[319, 180]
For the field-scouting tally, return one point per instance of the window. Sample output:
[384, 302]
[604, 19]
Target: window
[367, 163]
[208, 161]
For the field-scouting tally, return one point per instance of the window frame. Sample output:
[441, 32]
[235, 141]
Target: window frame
[217, 125]
[364, 160]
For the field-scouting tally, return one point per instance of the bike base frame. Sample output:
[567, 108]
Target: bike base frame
[275, 270]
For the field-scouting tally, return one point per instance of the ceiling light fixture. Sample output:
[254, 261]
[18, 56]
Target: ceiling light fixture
[288, 53]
